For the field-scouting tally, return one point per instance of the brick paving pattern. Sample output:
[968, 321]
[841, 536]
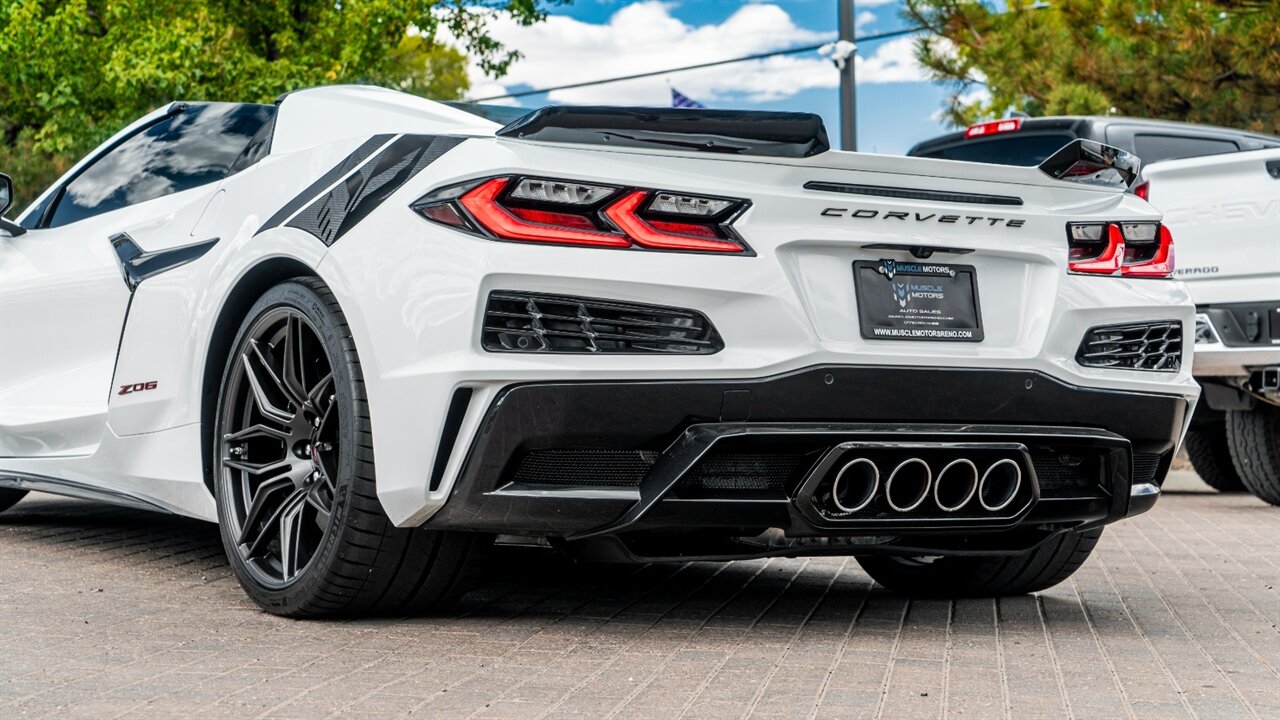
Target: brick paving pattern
[113, 613]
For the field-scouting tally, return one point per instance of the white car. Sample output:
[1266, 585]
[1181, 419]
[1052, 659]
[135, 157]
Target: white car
[368, 334]
[1225, 212]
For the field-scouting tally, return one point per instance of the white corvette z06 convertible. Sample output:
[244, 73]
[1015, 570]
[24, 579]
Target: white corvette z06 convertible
[369, 335]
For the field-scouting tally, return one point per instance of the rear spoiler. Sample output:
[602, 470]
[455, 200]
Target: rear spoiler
[1092, 163]
[734, 132]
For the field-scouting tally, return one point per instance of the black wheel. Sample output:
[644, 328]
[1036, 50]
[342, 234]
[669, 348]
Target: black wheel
[297, 504]
[1255, 447]
[1210, 455]
[9, 498]
[983, 576]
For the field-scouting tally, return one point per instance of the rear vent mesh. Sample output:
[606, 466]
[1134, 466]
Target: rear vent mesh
[1067, 475]
[605, 468]
[1145, 467]
[531, 322]
[744, 471]
[1147, 346]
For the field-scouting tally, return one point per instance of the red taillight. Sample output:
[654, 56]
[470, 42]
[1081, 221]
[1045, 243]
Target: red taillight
[1132, 249]
[993, 127]
[1101, 258]
[573, 213]
[624, 214]
[1143, 190]
[1160, 263]
[482, 204]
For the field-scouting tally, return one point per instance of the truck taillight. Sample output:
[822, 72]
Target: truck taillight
[993, 127]
[1130, 249]
[565, 212]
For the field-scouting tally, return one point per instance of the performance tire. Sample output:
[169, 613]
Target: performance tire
[984, 576]
[294, 473]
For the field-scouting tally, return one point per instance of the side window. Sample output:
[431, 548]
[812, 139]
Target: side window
[1154, 148]
[183, 151]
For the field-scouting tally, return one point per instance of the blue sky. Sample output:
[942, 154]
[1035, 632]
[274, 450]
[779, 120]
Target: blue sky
[591, 39]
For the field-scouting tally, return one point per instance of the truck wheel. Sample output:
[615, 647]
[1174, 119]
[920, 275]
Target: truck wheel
[9, 498]
[984, 576]
[297, 501]
[1210, 455]
[1255, 447]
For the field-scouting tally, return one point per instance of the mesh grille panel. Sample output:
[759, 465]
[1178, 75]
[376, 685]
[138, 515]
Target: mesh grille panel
[531, 322]
[1145, 466]
[744, 471]
[606, 468]
[1149, 346]
[1066, 476]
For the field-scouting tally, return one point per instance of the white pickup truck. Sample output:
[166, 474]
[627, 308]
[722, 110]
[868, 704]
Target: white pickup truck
[1219, 190]
[1224, 213]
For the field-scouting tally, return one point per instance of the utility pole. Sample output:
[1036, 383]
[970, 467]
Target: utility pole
[848, 88]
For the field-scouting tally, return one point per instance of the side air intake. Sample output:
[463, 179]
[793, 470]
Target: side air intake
[1143, 346]
[538, 323]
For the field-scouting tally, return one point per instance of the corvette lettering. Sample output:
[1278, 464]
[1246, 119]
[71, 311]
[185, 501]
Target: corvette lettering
[868, 214]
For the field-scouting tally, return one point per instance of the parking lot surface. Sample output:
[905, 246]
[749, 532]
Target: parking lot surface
[107, 612]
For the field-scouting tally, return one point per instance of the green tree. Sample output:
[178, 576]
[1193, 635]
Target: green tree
[1203, 61]
[75, 71]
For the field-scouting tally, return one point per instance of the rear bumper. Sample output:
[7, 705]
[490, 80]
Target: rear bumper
[630, 462]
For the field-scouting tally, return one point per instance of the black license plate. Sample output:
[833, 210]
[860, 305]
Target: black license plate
[917, 301]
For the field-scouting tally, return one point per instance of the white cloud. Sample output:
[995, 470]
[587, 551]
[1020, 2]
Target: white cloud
[645, 36]
[864, 18]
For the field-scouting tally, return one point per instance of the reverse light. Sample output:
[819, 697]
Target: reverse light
[993, 127]
[566, 212]
[688, 205]
[555, 191]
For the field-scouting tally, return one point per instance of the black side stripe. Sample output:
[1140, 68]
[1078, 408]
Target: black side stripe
[348, 164]
[350, 201]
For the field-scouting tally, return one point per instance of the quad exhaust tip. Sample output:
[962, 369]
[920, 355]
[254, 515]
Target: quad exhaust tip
[913, 478]
[956, 485]
[855, 485]
[1000, 485]
[911, 482]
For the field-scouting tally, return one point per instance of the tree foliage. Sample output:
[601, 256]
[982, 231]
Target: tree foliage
[75, 71]
[1203, 61]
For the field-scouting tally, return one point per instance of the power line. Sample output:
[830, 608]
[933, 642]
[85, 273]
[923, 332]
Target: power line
[745, 58]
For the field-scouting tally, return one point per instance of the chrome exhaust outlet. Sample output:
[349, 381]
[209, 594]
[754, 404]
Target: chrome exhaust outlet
[914, 475]
[855, 485]
[1000, 485]
[952, 499]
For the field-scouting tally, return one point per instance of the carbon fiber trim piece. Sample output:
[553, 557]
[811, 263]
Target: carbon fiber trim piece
[349, 163]
[350, 201]
[137, 265]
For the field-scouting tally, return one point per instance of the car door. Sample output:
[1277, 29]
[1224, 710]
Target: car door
[63, 291]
